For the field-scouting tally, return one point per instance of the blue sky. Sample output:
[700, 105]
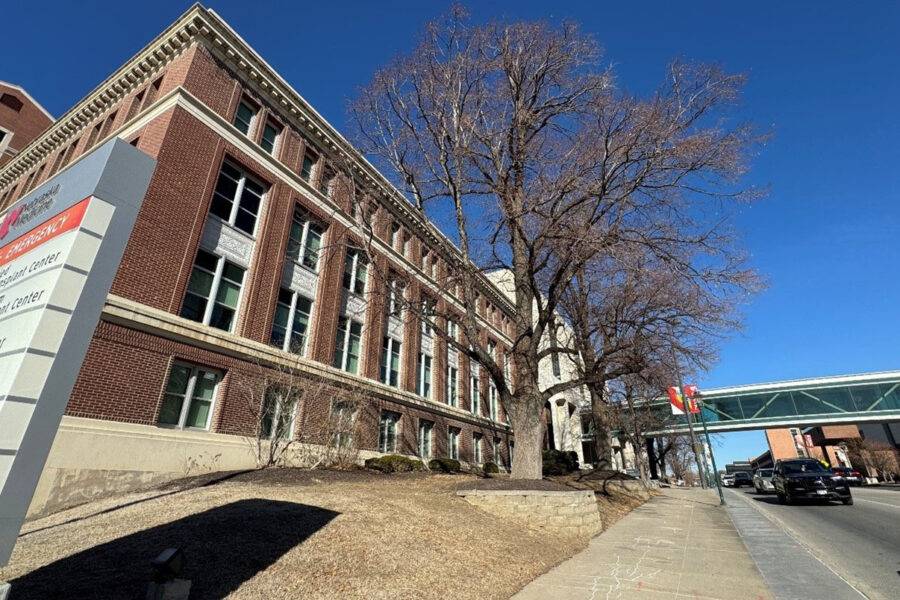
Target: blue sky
[823, 77]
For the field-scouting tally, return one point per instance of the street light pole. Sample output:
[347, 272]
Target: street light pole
[712, 455]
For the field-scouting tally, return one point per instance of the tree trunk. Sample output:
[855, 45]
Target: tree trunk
[526, 424]
[651, 458]
[601, 421]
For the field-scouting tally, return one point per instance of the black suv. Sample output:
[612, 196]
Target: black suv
[742, 478]
[807, 478]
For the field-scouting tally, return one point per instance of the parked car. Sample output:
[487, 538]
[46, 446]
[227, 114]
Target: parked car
[808, 479]
[852, 476]
[742, 478]
[728, 480]
[762, 481]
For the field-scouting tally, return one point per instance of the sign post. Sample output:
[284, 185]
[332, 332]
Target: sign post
[695, 398]
[60, 247]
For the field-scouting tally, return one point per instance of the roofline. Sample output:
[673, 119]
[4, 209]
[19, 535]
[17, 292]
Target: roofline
[30, 97]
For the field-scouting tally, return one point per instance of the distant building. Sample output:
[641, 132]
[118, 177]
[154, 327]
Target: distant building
[21, 120]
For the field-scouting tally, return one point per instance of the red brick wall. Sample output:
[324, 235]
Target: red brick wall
[25, 124]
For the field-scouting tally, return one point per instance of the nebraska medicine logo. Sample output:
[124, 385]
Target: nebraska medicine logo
[29, 211]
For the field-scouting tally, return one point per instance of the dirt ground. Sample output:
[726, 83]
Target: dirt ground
[291, 534]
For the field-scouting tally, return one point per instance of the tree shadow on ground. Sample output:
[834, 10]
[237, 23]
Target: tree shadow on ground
[224, 547]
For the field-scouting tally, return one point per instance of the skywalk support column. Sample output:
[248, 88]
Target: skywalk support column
[60, 247]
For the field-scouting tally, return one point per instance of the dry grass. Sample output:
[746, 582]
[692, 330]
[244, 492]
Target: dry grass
[288, 534]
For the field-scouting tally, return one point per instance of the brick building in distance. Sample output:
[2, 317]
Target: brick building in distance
[246, 259]
[21, 120]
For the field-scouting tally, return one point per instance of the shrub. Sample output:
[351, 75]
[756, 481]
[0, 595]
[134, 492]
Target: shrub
[394, 463]
[558, 462]
[490, 467]
[445, 465]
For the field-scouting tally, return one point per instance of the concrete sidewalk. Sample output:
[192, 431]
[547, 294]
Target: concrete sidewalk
[679, 545]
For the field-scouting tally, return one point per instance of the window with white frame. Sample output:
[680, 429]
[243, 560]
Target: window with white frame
[396, 290]
[308, 167]
[453, 443]
[452, 331]
[405, 248]
[355, 271]
[452, 386]
[390, 362]
[189, 398]
[492, 401]
[243, 118]
[326, 183]
[423, 384]
[278, 413]
[305, 239]
[387, 432]
[492, 349]
[270, 135]
[425, 429]
[476, 448]
[343, 422]
[497, 450]
[512, 451]
[395, 236]
[427, 316]
[237, 199]
[475, 393]
[290, 327]
[347, 345]
[214, 291]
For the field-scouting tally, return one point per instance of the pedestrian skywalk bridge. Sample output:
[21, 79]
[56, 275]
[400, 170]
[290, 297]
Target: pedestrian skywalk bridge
[869, 397]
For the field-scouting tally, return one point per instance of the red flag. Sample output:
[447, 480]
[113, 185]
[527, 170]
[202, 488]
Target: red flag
[676, 401]
[690, 391]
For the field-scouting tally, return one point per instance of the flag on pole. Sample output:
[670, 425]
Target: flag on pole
[676, 401]
[690, 391]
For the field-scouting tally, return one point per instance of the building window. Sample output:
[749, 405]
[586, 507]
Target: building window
[326, 183]
[189, 397]
[396, 291]
[278, 413]
[308, 168]
[425, 429]
[492, 401]
[355, 270]
[423, 383]
[475, 393]
[512, 452]
[305, 239]
[453, 331]
[405, 247]
[387, 432]
[476, 448]
[290, 327]
[395, 235]
[237, 199]
[497, 450]
[427, 317]
[243, 118]
[214, 291]
[343, 420]
[453, 443]
[390, 362]
[270, 135]
[452, 391]
[347, 347]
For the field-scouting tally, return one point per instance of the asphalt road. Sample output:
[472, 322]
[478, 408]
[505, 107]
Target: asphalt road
[861, 543]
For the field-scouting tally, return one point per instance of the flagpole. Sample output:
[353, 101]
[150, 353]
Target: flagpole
[712, 455]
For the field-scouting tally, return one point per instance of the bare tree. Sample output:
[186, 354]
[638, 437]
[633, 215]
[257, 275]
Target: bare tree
[517, 132]
[881, 457]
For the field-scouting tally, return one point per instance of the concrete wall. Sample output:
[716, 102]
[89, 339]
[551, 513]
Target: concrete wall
[569, 513]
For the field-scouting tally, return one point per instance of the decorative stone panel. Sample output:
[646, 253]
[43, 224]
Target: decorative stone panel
[299, 279]
[224, 240]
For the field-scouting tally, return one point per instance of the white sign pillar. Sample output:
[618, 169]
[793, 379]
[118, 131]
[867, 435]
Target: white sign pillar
[60, 247]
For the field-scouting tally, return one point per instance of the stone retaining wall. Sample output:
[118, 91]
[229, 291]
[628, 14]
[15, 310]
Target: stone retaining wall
[568, 513]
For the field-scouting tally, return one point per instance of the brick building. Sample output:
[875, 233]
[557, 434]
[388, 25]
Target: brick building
[21, 120]
[250, 257]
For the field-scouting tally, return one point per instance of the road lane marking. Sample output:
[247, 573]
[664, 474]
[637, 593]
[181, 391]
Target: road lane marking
[876, 502]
